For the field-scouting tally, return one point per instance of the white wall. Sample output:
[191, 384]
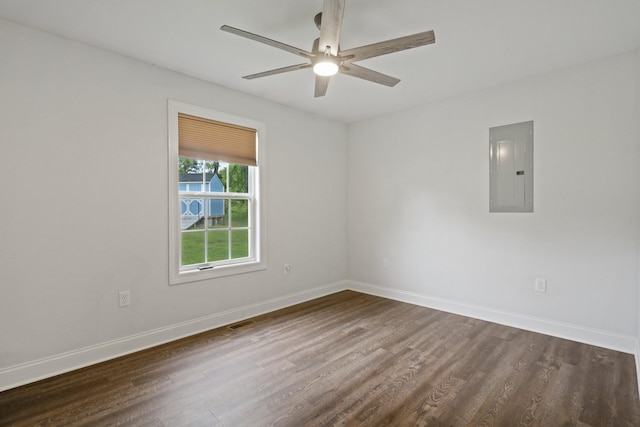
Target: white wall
[81, 127]
[419, 196]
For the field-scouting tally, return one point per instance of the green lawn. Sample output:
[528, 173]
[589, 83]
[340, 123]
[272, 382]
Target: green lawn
[193, 242]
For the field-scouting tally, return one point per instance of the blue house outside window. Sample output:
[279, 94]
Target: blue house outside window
[192, 210]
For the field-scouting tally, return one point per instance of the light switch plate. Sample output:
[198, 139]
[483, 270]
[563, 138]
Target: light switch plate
[541, 285]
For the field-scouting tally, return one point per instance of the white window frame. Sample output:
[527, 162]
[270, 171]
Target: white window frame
[258, 259]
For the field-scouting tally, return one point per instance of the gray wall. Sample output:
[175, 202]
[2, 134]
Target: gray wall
[84, 126]
[419, 197]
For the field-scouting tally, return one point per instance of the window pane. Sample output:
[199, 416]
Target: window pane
[192, 248]
[191, 212]
[239, 243]
[186, 165]
[239, 213]
[218, 245]
[214, 183]
[218, 213]
[222, 175]
[238, 178]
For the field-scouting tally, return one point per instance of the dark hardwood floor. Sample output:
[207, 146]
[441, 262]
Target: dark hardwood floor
[345, 359]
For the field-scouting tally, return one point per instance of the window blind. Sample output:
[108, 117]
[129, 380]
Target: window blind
[200, 138]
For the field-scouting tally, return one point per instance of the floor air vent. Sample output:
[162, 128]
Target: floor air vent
[240, 324]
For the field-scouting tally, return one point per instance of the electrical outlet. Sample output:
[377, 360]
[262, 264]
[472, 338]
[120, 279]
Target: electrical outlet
[124, 298]
[286, 269]
[541, 285]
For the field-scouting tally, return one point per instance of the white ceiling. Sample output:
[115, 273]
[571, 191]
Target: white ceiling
[479, 43]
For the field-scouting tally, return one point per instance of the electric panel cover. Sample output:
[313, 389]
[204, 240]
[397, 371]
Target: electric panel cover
[511, 168]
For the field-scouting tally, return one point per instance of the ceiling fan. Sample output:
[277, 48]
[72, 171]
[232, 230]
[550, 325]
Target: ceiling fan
[327, 59]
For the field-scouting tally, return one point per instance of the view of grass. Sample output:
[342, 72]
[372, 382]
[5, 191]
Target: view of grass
[193, 242]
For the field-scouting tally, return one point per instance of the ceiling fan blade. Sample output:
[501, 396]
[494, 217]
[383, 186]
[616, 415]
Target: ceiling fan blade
[267, 41]
[331, 23]
[322, 83]
[277, 71]
[367, 74]
[389, 46]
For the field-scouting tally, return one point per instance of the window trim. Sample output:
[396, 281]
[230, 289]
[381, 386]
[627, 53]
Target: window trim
[176, 276]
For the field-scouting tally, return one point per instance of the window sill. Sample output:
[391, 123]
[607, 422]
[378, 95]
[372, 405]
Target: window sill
[217, 271]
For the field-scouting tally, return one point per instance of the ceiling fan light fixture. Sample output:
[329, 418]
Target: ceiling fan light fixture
[325, 68]
[327, 65]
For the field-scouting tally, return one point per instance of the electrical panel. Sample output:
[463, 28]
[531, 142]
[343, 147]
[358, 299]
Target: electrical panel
[511, 168]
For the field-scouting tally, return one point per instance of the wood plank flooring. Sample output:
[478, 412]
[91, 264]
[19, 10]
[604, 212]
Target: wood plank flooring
[346, 359]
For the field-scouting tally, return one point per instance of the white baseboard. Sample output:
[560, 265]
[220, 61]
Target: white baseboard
[25, 373]
[17, 375]
[623, 343]
[637, 354]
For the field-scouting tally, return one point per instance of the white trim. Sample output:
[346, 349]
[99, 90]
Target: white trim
[591, 336]
[258, 260]
[25, 373]
[637, 357]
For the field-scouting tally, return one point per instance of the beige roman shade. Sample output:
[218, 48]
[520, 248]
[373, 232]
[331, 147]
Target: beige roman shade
[200, 138]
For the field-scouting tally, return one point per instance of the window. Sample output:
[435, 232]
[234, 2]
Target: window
[216, 164]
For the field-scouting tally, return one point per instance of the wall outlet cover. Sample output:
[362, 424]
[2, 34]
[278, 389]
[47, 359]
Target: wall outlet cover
[124, 298]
